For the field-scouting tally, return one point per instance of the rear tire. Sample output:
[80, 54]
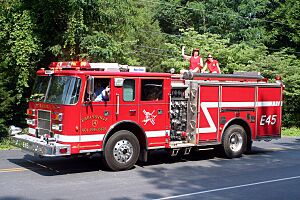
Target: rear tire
[121, 151]
[234, 141]
[249, 147]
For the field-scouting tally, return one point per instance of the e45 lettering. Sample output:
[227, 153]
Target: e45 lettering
[268, 119]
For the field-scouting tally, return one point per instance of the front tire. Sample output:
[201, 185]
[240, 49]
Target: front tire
[121, 151]
[234, 141]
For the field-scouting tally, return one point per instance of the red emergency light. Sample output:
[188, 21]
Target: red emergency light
[70, 65]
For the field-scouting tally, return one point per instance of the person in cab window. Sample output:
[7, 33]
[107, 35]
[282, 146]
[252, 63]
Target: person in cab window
[101, 93]
[154, 94]
[212, 65]
[196, 62]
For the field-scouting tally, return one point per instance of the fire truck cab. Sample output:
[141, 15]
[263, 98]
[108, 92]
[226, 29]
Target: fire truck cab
[142, 111]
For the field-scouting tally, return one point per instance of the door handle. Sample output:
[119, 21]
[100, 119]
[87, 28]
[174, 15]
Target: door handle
[132, 112]
[118, 104]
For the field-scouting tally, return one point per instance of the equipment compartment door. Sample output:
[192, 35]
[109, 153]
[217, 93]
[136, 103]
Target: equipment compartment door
[208, 113]
[269, 108]
[153, 114]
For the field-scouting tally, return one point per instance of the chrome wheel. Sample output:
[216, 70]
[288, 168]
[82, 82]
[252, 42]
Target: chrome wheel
[235, 142]
[123, 151]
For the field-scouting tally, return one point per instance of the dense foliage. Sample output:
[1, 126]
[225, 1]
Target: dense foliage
[244, 35]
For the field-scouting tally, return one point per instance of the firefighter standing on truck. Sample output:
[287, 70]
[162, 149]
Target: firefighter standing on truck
[196, 62]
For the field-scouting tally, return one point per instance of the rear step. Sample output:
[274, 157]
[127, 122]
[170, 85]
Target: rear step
[187, 151]
[175, 152]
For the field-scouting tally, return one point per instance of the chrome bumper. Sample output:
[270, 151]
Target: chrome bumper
[40, 147]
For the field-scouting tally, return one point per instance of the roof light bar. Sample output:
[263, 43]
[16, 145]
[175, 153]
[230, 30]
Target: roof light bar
[70, 64]
[77, 65]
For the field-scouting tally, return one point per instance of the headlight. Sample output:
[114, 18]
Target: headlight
[57, 127]
[31, 122]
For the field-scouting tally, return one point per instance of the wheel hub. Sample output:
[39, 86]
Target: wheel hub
[236, 142]
[123, 151]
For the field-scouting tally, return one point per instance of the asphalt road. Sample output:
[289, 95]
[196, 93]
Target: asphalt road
[272, 171]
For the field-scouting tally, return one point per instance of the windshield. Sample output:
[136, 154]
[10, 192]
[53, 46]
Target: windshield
[56, 89]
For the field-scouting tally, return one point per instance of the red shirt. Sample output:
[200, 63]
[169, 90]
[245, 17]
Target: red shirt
[195, 62]
[212, 66]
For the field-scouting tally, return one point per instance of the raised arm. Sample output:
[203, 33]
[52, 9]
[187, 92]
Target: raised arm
[183, 55]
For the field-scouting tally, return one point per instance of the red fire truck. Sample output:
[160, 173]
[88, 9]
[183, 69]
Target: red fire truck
[145, 111]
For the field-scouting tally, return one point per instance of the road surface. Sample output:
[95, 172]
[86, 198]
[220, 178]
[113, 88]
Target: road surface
[271, 171]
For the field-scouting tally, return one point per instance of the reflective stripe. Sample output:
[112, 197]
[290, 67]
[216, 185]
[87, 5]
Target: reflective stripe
[82, 138]
[161, 133]
[212, 127]
[99, 137]
[268, 103]
[241, 104]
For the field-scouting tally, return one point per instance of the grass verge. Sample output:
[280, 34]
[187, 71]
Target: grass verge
[5, 144]
[293, 131]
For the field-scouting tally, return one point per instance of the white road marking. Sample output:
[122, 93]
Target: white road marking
[229, 188]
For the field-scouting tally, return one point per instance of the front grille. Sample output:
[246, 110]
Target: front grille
[43, 123]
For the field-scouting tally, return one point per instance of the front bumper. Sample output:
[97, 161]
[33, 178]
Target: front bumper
[40, 147]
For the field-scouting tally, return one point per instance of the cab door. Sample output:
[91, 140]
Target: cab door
[126, 102]
[153, 110]
[96, 118]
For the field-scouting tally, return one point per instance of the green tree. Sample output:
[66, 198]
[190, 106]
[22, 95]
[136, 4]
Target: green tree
[286, 22]
[18, 58]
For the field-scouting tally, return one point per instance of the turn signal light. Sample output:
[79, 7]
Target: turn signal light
[31, 112]
[63, 150]
[57, 116]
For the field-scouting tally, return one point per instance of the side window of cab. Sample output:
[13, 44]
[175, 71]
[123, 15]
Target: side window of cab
[129, 90]
[151, 90]
[101, 90]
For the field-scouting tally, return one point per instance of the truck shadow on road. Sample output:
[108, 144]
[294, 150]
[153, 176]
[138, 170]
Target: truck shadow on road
[204, 171]
[59, 166]
[62, 166]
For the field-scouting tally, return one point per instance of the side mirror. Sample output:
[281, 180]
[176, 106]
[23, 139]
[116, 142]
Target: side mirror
[90, 88]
